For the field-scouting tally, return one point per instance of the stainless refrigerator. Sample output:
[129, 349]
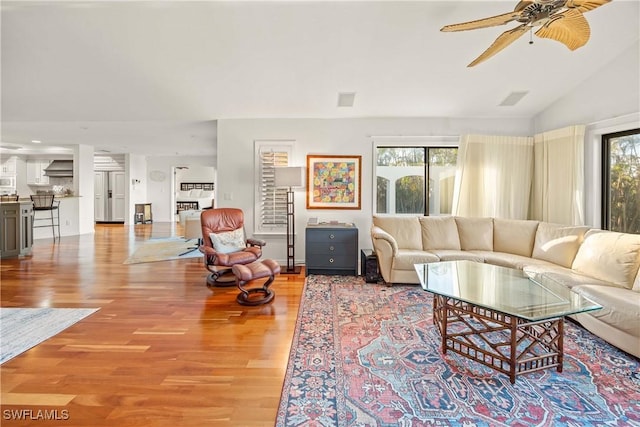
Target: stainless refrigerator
[109, 191]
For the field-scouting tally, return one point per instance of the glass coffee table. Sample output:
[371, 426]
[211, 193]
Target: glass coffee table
[499, 316]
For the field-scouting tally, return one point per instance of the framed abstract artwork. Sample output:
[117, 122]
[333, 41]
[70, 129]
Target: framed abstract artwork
[333, 182]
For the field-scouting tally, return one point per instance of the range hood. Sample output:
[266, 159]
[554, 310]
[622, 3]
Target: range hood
[60, 169]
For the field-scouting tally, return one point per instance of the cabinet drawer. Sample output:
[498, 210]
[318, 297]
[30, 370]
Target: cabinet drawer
[330, 236]
[331, 261]
[338, 248]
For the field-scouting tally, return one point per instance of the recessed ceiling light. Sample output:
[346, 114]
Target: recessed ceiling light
[35, 141]
[345, 99]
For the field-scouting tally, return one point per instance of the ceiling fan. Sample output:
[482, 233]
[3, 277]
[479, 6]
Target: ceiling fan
[560, 20]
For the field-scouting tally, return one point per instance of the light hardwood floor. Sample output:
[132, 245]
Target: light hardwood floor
[163, 350]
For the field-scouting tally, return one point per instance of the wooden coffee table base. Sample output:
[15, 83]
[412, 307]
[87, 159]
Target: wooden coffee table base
[508, 344]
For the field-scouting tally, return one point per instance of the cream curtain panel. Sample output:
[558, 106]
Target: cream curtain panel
[557, 194]
[493, 177]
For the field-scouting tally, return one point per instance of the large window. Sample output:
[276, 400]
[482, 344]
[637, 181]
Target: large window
[621, 181]
[415, 180]
[271, 202]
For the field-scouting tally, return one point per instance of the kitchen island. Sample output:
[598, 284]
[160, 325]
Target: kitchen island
[16, 228]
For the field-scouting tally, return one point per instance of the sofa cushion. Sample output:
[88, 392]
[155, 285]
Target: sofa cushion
[406, 258]
[620, 308]
[509, 260]
[475, 233]
[405, 230]
[454, 255]
[558, 243]
[439, 232]
[562, 275]
[514, 236]
[609, 256]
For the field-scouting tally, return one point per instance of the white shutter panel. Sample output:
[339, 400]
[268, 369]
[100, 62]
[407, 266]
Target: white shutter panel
[273, 201]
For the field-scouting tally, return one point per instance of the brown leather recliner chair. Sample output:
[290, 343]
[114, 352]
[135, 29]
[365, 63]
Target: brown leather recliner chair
[224, 244]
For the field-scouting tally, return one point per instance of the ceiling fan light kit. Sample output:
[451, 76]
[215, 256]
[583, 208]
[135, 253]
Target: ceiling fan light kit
[560, 20]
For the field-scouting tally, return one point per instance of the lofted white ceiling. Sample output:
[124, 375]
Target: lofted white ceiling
[152, 77]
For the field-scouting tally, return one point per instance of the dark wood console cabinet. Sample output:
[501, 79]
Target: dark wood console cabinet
[331, 249]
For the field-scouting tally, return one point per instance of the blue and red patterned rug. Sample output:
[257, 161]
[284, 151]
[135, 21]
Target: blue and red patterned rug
[368, 355]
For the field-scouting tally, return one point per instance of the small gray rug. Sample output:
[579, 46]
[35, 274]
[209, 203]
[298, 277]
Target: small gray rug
[23, 328]
[164, 249]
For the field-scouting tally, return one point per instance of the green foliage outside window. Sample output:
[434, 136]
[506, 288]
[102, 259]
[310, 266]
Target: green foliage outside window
[410, 195]
[624, 183]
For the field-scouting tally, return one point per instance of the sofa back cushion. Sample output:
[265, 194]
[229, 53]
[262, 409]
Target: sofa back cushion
[476, 234]
[558, 243]
[439, 232]
[514, 236]
[406, 230]
[609, 256]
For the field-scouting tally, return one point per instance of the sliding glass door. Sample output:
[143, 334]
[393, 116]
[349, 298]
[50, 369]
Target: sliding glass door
[621, 181]
[415, 180]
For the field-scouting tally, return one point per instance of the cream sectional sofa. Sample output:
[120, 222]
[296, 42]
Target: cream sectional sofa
[601, 265]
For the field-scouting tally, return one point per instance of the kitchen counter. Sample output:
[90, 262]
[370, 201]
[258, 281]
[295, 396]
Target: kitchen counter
[28, 199]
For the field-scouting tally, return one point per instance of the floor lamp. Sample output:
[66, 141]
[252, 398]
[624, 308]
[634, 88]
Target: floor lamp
[290, 177]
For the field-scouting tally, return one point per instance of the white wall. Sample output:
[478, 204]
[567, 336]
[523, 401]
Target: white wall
[195, 173]
[83, 187]
[326, 136]
[612, 91]
[607, 102]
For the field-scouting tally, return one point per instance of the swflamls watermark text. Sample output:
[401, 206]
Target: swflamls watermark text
[36, 414]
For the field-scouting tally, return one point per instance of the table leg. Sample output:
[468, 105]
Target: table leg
[560, 343]
[513, 356]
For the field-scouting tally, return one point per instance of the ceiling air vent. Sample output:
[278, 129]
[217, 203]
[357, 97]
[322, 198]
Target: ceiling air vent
[513, 98]
[346, 99]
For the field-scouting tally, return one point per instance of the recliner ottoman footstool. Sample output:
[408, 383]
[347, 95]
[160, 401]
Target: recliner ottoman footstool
[256, 270]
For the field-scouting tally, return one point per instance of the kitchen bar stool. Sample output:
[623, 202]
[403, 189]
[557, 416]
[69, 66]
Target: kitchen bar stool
[46, 202]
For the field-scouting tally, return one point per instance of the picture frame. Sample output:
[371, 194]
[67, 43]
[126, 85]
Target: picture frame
[334, 181]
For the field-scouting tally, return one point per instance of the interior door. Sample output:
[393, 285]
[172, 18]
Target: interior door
[99, 192]
[117, 187]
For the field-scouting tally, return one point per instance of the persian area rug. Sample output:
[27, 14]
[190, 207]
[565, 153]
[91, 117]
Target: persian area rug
[369, 355]
[24, 328]
[154, 250]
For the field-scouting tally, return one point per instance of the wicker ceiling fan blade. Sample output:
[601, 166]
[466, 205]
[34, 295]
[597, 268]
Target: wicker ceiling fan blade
[482, 23]
[569, 28]
[585, 5]
[504, 40]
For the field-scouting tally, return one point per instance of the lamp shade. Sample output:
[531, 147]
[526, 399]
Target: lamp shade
[289, 176]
